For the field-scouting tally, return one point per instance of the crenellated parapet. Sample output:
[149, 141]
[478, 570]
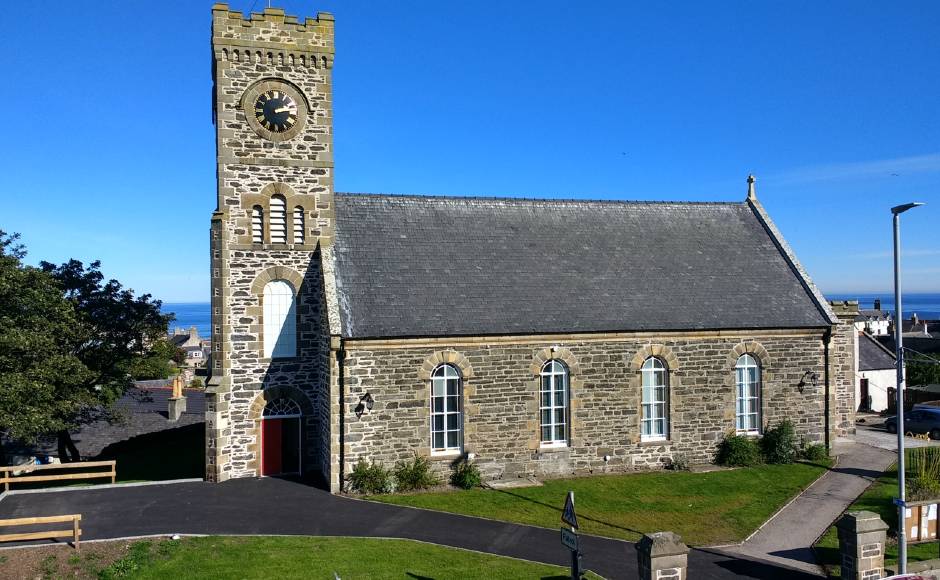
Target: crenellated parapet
[273, 38]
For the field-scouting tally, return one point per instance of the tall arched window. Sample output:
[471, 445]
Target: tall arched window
[257, 224]
[280, 320]
[278, 219]
[655, 403]
[747, 377]
[553, 405]
[298, 225]
[446, 410]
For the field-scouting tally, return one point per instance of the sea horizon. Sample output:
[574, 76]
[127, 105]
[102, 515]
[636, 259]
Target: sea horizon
[925, 304]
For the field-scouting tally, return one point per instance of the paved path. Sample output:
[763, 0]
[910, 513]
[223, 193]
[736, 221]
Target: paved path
[272, 506]
[788, 537]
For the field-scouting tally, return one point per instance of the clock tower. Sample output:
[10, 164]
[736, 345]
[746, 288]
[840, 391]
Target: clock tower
[271, 234]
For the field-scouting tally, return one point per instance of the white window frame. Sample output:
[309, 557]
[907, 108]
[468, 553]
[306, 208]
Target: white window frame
[279, 307]
[553, 404]
[298, 224]
[445, 380]
[654, 400]
[748, 389]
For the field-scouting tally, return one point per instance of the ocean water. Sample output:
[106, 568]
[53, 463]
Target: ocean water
[188, 314]
[926, 306]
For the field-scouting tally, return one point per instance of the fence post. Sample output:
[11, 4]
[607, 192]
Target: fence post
[76, 531]
[862, 545]
[662, 556]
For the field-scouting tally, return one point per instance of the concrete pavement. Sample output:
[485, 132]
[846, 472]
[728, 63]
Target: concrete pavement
[788, 537]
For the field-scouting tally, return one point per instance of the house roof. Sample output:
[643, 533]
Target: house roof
[872, 356]
[866, 315]
[466, 266]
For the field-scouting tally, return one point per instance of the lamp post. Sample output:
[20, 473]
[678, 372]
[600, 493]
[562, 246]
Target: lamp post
[899, 352]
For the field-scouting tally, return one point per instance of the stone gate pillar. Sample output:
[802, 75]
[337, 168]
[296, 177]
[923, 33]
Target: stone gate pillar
[662, 556]
[862, 545]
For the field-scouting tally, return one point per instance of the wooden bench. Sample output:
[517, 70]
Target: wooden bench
[23, 471]
[75, 533]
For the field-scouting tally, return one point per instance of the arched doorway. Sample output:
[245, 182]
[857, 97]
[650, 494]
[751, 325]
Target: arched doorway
[280, 437]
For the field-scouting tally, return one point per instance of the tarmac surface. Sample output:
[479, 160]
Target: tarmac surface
[276, 506]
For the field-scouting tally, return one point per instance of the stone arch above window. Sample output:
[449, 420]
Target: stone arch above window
[753, 348]
[660, 351]
[554, 353]
[276, 273]
[442, 357]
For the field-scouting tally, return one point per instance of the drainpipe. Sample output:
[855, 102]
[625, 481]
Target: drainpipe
[827, 345]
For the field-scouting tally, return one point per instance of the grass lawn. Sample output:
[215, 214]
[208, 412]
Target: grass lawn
[878, 498]
[704, 508]
[307, 557]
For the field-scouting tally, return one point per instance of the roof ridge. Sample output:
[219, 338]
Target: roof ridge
[517, 199]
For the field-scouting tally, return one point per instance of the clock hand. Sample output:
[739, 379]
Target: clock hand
[282, 110]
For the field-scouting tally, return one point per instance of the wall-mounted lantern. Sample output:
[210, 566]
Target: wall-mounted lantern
[366, 402]
[810, 376]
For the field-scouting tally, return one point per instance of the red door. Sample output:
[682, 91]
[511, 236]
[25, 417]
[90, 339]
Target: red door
[271, 431]
[280, 446]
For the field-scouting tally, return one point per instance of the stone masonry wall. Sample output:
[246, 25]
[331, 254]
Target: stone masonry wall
[844, 355]
[500, 392]
[252, 166]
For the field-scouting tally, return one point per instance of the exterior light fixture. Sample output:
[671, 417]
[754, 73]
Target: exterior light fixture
[366, 402]
[901, 500]
[810, 376]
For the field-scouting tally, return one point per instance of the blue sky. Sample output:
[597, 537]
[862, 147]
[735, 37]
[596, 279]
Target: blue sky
[108, 146]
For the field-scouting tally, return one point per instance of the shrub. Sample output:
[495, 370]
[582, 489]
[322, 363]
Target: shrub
[778, 444]
[415, 474]
[678, 462]
[466, 475]
[737, 451]
[814, 452]
[923, 473]
[196, 383]
[370, 478]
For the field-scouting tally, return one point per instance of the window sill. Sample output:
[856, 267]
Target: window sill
[444, 455]
[753, 434]
[654, 442]
[553, 447]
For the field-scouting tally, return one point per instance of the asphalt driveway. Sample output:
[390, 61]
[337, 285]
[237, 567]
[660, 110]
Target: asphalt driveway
[273, 506]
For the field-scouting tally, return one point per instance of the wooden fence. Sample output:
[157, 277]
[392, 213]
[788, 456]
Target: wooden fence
[49, 472]
[75, 533]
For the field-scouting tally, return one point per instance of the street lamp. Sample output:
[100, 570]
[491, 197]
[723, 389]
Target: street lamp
[899, 352]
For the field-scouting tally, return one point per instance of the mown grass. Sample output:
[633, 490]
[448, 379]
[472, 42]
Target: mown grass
[306, 557]
[879, 498]
[704, 508]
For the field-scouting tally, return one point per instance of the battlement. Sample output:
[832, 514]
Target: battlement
[273, 30]
[844, 308]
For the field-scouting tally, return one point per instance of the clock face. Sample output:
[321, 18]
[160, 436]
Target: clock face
[276, 111]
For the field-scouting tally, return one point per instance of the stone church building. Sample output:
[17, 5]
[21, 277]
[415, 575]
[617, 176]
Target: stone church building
[536, 337]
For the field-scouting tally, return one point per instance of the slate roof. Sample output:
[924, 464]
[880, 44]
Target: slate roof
[459, 266]
[872, 356]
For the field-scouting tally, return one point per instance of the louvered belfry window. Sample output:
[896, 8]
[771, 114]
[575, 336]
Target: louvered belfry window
[298, 225]
[278, 220]
[257, 224]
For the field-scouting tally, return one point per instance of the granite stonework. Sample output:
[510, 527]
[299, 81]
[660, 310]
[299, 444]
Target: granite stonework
[252, 167]
[334, 367]
[844, 354]
[500, 399]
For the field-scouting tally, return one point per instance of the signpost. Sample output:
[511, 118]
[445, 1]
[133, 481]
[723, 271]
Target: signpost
[569, 538]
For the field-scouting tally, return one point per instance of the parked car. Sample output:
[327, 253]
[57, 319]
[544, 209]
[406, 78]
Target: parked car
[917, 421]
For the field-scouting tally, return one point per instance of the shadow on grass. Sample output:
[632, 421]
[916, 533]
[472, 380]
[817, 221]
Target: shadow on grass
[169, 454]
[561, 509]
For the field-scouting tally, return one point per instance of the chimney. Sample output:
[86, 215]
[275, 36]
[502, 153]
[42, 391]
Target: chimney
[193, 333]
[878, 304]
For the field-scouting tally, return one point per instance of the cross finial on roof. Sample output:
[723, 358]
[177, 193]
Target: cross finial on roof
[751, 194]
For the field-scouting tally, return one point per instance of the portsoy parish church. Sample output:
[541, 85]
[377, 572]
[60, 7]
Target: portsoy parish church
[535, 337]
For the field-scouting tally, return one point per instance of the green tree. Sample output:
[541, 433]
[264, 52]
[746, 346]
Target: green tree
[68, 342]
[161, 361]
[921, 370]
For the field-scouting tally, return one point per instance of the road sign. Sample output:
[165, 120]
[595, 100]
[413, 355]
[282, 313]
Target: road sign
[569, 538]
[899, 502]
[568, 516]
